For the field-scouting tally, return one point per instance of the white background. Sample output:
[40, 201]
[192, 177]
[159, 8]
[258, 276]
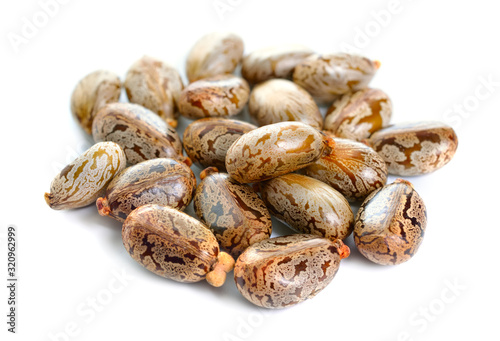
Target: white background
[435, 57]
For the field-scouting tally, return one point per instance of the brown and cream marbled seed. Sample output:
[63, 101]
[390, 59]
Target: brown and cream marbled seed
[93, 92]
[274, 150]
[233, 211]
[81, 182]
[164, 182]
[281, 272]
[280, 100]
[217, 96]
[357, 115]
[415, 148]
[207, 140]
[390, 224]
[308, 206]
[273, 62]
[352, 168]
[214, 54]
[174, 245]
[156, 86]
[326, 77]
[141, 133]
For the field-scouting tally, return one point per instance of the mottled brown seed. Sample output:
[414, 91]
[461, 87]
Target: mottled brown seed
[390, 224]
[352, 168]
[174, 245]
[281, 272]
[85, 179]
[93, 92]
[217, 96]
[164, 182]
[415, 148]
[280, 100]
[156, 86]
[357, 115]
[274, 150]
[308, 206]
[214, 54]
[326, 77]
[207, 140]
[141, 133]
[273, 62]
[233, 211]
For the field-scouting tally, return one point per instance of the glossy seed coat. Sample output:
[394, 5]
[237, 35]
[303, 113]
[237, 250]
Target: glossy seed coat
[326, 77]
[164, 182]
[217, 96]
[415, 148]
[308, 206]
[81, 182]
[173, 245]
[233, 211]
[273, 62]
[280, 100]
[274, 150]
[281, 272]
[352, 168]
[357, 115]
[156, 86]
[214, 54]
[390, 224]
[93, 92]
[141, 133]
[207, 140]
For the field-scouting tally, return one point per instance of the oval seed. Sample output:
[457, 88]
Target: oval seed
[85, 179]
[281, 272]
[174, 245]
[390, 224]
[159, 181]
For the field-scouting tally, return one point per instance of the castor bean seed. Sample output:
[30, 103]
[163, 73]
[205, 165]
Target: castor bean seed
[164, 182]
[93, 92]
[141, 133]
[352, 168]
[415, 148]
[174, 245]
[308, 206]
[85, 179]
[274, 150]
[280, 100]
[281, 272]
[390, 224]
[356, 115]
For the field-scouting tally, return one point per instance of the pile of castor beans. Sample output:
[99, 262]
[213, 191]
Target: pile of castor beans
[293, 164]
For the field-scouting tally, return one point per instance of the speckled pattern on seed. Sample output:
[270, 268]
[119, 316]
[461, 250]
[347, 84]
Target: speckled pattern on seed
[93, 92]
[233, 211]
[274, 150]
[390, 224]
[217, 96]
[85, 179]
[326, 77]
[170, 243]
[281, 272]
[352, 168]
[155, 85]
[415, 148]
[273, 62]
[357, 115]
[159, 181]
[280, 100]
[308, 206]
[207, 140]
[214, 54]
[142, 134]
